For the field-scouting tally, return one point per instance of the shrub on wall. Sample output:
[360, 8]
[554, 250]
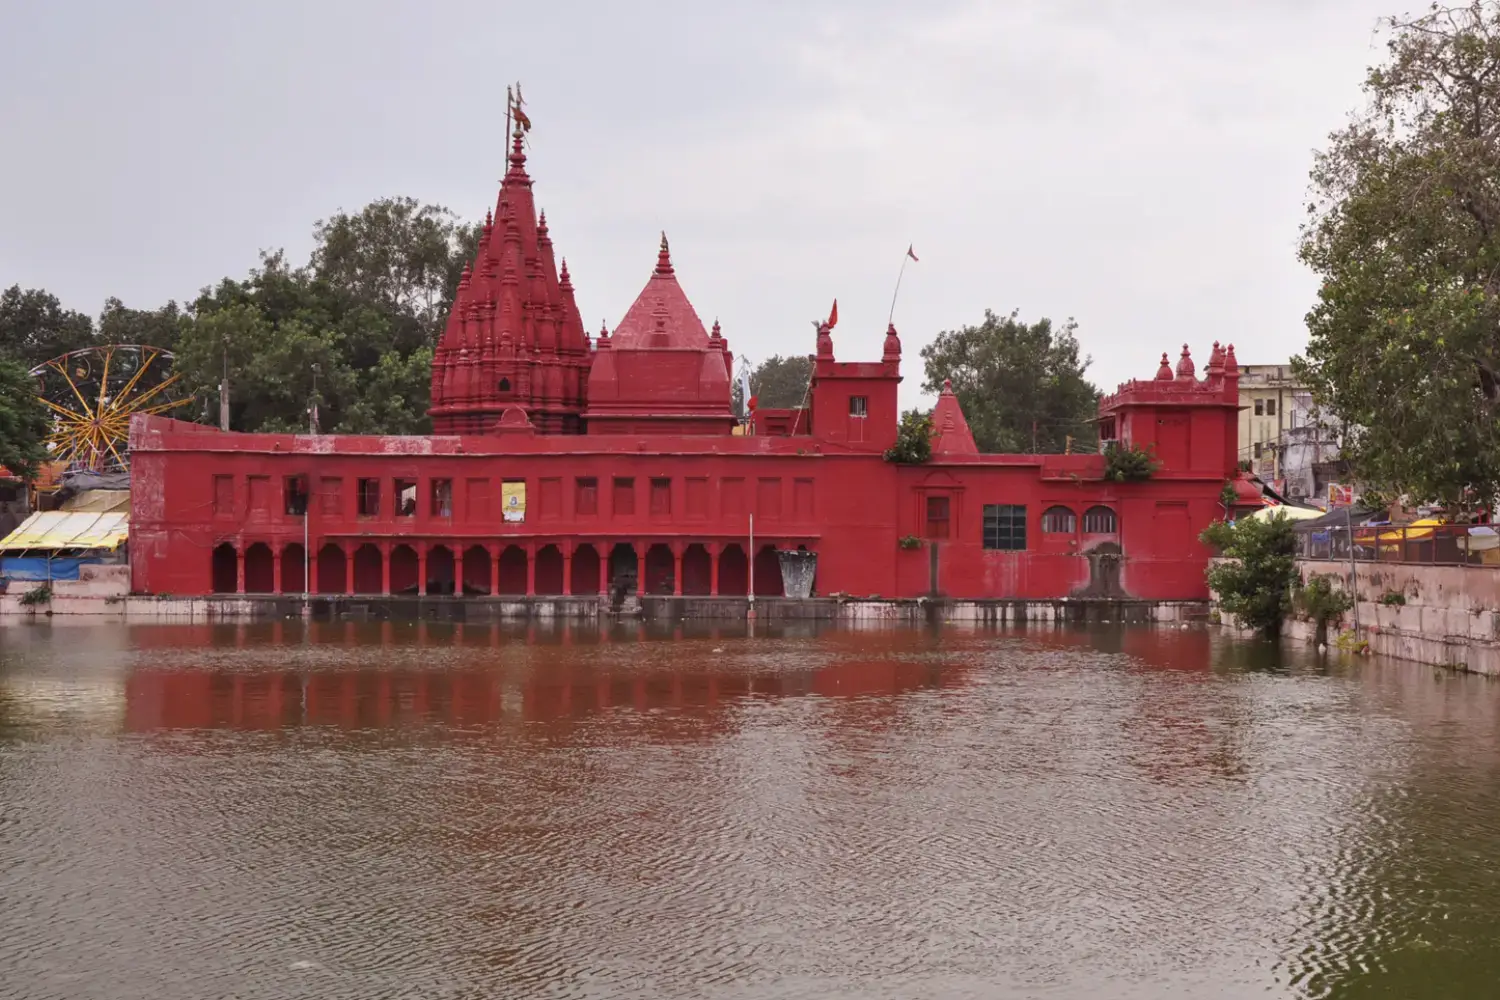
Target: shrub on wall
[1129, 463]
[1321, 602]
[913, 439]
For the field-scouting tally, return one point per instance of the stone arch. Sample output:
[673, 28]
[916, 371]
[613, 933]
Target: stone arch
[623, 568]
[767, 572]
[404, 570]
[512, 571]
[549, 570]
[586, 570]
[661, 569]
[734, 571]
[225, 569]
[368, 570]
[697, 571]
[1059, 520]
[476, 574]
[440, 570]
[260, 569]
[293, 569]
[331, 570]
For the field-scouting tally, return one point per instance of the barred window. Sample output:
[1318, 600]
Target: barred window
[1005, 526]
[1059, 521]
[1099, 521]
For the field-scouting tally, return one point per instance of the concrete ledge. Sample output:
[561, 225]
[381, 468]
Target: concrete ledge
[493, 609]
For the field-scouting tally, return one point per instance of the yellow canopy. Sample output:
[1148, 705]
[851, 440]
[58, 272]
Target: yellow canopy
[1286, 511]
[1417, 531]
[61, 529]
[99, 501]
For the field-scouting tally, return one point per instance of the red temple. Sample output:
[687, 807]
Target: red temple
[561, 466]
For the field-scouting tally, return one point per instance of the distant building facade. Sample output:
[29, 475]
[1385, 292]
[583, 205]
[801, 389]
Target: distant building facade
[1284, 437]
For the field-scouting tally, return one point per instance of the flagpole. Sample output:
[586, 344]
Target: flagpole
[891, 319]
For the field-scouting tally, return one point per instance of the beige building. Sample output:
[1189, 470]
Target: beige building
[1282, 435]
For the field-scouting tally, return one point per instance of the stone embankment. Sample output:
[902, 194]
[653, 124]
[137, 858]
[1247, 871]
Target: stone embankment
[1446, 616]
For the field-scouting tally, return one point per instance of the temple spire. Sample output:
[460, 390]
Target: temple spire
[664, 256]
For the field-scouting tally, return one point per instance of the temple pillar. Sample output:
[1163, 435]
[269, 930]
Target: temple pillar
[640, 568]
[530, 550]
[676, 569]
[566, 548]
[348, 587]
[276, 570]
[494, 551]
[421, 569]
[606, 552]
[385, 568]
[239, 567]
[713, 568]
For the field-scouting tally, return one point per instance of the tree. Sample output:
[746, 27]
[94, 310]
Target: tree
[354, 327]
[777, 382]
[35, 327]
[913, 439]
[24, 423]
[1021, 386]
[398, 255]
[1404, 229]
[1254, 581]
[153, 327]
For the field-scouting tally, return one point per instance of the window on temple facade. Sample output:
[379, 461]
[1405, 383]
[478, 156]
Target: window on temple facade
[367, 496]
[442, 498]
[405, 498]
[294, 495]
[859, 406]
[223, 494]
[1005, 527]
[1059, 521]
[624, 496]
[937, 517]
[586, 495]
[661, 497]
[1099, 521]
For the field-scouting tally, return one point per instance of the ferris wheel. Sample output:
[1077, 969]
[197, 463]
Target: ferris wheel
[93, 393]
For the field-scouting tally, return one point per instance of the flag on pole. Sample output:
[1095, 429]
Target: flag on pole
[833, 315]
[521, 118]
[909, 252]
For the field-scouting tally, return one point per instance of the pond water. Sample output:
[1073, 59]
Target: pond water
[410, 811]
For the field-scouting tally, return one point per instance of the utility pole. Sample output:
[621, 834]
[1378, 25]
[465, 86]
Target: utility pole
[224, 391]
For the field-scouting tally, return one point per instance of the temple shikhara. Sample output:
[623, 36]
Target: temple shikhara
[614, 468]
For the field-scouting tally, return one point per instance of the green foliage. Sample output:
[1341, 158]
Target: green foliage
[353, 329]
[154, 327]
[1228, 497]
[1393, 599]
[909, 542]
[34, 326]
[913, 439]
[1254, 583]
[1129, 464]
[36, 596]
[777, 382]
[1321, 601]
[24, 421]
[1405, 232]
[1021, 386]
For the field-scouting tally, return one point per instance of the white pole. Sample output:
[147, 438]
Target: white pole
[752, 564]
[1353, 568]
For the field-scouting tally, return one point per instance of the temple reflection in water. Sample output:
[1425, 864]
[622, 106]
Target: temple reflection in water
[396, 675]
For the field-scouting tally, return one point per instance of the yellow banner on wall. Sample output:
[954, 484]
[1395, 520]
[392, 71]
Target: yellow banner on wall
[513, 500]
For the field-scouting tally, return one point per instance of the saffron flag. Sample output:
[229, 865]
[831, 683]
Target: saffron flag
[521, 118]
[833, 316]
[754, 401]
[909, 252]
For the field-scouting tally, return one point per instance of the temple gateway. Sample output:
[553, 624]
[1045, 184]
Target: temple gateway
[614, 467]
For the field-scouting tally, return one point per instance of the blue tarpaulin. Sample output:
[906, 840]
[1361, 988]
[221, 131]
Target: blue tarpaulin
[35, 568]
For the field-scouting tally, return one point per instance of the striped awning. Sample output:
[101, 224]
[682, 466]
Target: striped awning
[62, 529]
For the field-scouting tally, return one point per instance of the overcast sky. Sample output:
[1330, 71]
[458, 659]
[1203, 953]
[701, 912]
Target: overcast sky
[1140, 166]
